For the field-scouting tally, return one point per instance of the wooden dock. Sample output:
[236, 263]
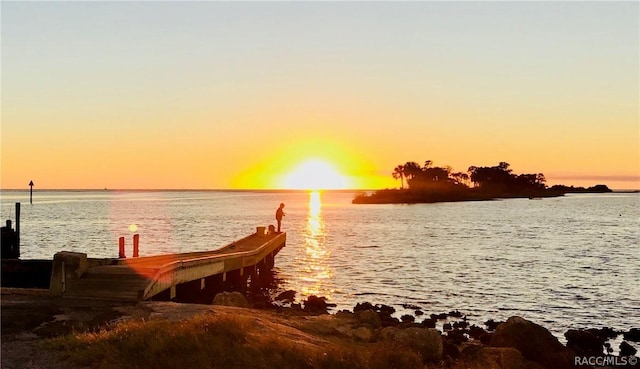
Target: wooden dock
[165, 277]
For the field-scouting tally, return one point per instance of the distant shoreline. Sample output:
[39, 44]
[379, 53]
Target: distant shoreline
[410, 196]
[344, 190]
[189, 190]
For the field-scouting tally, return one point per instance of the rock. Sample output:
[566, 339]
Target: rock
[345, 314]
[411, 306]
[406, 325]
[633, 335]
[363, 334]
[447, 326]
[388, 321]
[534, 342]
[456, 337]
[608, 348]
[429, 323]
[286, 296]
[626, 349]
[471, 351]
[584, 343]
[492, 324]
[426, 341]
[505, 357]
[495, 357]
[418, 312]
[439, 316]
[455, 314]
[407, 318]
[259, 298]
[364, 306]
[327, 325]
[230, 299]
[460, 325]
[386, 309]
[605, 333]
[384, 312]
[345, 330]
[476, 332]
[387, 333]
[346, 326]
[369, 317]
[316, 305]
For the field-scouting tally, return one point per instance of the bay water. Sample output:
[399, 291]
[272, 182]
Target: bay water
[565, 262]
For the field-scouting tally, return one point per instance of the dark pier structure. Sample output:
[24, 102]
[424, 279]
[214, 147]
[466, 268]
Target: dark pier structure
[181, 277]
[16, 272]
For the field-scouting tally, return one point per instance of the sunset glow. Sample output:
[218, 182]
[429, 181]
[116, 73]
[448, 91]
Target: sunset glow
[239, 95]
[315, 175]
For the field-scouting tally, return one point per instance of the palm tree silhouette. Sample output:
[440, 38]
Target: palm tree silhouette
[398, 173]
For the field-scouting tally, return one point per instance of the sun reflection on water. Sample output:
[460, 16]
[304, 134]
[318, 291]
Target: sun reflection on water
[317, 271]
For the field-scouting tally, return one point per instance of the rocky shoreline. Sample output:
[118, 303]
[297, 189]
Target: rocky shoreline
[533, 341]
[30, 318]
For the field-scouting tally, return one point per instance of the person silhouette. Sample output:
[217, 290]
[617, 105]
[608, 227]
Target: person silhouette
[279, 214]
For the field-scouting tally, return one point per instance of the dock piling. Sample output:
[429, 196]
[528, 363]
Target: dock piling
[121, 253]
[136, 247]
[17, 230]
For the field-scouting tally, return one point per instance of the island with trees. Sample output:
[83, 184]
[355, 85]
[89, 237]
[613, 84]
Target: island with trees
[428, 183]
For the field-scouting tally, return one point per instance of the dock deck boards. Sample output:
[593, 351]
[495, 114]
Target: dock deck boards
[141, 278]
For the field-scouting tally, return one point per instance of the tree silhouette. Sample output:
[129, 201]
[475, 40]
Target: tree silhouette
[427, 176]
[428, 184]
[495, 179]
[411, 169]
[398, 173]
[500, 178]
[460, 178]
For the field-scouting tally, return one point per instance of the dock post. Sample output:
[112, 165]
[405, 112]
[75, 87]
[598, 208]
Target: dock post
[121, 253]
[17, 230]
[136, 243]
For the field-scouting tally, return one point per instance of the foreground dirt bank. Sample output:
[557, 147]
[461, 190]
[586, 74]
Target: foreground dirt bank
[357, 339]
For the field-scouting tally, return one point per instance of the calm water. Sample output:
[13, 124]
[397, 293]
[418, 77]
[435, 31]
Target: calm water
[570, 262]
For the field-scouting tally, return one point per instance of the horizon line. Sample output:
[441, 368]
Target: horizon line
[201, 189]
[237, 189]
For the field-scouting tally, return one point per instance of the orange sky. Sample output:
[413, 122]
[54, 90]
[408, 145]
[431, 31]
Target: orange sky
[217, 95]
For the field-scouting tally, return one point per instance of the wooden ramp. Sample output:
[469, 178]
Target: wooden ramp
[142, 278]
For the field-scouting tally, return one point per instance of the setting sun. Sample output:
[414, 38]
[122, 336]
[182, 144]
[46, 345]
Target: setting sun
[315, 175]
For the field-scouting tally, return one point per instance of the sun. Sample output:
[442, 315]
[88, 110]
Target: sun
[315, 175]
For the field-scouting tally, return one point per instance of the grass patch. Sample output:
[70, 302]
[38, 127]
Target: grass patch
[211, 341]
